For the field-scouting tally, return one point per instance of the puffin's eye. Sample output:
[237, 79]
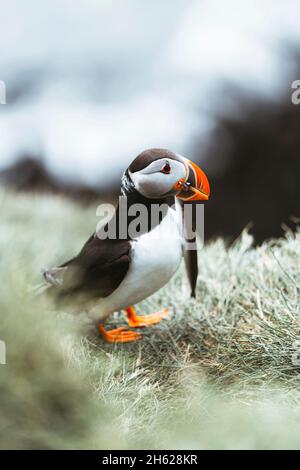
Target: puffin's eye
[166, 169]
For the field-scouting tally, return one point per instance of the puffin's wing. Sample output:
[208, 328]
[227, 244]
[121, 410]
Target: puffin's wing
[190, 255]
[97, 270]
[191, 266]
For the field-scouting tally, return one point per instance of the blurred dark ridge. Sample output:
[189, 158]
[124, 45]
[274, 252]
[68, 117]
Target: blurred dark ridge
[252, 160]
[253, 163]
[30, 174]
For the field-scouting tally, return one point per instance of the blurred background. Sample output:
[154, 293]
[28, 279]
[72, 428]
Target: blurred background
[91, 83]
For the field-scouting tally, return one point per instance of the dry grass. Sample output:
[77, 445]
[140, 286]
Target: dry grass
[221, 373]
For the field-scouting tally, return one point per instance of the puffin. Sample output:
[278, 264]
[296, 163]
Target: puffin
[130, 258]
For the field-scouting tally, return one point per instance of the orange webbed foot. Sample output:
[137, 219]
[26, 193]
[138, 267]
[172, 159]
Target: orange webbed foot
[119, 335]
[139, 321]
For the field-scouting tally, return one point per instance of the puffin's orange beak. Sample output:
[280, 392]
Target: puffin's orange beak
[195, 187]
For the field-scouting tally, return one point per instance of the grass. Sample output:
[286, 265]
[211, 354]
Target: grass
[222, 373]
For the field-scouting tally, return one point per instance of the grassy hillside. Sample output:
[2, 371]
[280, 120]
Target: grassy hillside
[223, 372]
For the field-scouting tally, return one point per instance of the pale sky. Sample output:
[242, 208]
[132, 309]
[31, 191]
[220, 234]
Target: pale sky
[109, 79]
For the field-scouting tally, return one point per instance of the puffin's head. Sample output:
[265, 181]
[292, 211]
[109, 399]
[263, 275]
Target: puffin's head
[159, 173]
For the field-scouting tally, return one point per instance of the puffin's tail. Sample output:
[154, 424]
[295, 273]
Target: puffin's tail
[52, 278]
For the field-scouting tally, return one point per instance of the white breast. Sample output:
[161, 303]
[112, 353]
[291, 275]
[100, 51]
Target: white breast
[155, 257]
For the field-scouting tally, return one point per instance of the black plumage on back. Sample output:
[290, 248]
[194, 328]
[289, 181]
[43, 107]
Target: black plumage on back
[98, 269]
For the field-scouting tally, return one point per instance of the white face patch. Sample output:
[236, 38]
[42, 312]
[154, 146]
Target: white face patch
[153, 183]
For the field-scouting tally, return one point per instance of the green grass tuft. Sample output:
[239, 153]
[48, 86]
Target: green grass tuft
[223, 372]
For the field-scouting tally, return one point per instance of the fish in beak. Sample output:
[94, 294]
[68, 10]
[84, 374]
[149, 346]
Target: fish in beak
[195, 187]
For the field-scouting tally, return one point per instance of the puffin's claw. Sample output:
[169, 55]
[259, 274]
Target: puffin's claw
[139, 321]
[119, 335]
